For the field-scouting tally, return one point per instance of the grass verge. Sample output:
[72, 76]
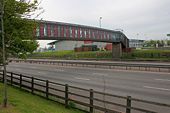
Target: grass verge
[151, 55]
[23, 102]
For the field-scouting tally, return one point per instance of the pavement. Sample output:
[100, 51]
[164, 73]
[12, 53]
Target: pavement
[152, 86]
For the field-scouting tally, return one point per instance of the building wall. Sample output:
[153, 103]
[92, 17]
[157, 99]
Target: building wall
[67, 45]
[134, 43]
[70, 45]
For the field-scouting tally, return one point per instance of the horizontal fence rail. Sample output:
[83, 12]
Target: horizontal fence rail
[89, 98]
[127, 66]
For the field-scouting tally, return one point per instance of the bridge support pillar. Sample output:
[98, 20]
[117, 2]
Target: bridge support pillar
[116, 50]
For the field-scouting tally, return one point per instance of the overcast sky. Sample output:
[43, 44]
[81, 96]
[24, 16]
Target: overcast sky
[140, 19]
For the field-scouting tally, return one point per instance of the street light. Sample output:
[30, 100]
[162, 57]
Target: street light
[100, 22]
[100, 25]
[3, 51]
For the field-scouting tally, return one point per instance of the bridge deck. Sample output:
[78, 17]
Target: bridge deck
[48, 30]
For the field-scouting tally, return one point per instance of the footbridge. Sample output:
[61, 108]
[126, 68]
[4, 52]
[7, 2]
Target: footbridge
[49, 30]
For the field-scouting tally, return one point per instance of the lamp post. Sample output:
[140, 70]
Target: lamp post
[100, 25]
[100, 22]
[3, 51]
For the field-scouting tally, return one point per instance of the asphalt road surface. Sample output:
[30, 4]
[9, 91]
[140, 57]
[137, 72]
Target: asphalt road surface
[152, 86]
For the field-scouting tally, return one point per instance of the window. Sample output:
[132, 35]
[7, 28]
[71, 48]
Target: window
[96, 34]
[65, 31]
[52, 31]
[107, 36]
[85, 33]
[71, 32]
[89, 33]
[81, 35]
[76, 32]
[38, 31]
[59, 29]
[93, 34]
[45, 30]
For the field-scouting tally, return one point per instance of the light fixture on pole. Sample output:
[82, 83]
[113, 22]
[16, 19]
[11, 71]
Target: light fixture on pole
[100, 25]
[100, 22]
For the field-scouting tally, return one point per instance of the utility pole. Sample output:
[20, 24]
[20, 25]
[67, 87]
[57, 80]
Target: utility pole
[100, 25]
[100, 22]
[3, 51]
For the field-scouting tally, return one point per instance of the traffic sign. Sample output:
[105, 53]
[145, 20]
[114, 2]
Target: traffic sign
[168, 34]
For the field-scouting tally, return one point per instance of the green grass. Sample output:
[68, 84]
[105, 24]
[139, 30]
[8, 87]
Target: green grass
[148, 54]
[23, 102]
[142, 54]
[52, 54]
[72, 54]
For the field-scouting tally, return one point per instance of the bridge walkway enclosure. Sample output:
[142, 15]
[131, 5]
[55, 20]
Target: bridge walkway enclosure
[49, 30]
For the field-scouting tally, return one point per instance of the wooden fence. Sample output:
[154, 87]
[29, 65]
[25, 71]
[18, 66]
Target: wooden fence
[88, 100]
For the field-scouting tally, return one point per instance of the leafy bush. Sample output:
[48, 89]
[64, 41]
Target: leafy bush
[148, 54]
[72, 54]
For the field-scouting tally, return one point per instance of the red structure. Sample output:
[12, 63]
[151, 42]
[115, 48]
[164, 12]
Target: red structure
[48, 30]
[108, 47]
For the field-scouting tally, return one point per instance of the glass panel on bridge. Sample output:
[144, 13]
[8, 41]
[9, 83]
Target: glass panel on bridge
[59, 29]
[52, 31]
[38, 31]
[45, 30]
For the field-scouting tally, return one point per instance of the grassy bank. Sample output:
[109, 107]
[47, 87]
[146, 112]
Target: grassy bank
[72, 54]
[136, 54]
[148, 54]
[23, 102]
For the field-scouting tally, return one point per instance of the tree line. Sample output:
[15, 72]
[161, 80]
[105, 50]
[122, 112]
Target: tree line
[156, 43]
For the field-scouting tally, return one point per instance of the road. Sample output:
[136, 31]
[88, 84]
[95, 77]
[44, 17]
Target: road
[152, 86]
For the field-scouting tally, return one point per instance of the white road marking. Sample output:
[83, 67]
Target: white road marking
[100, 74]
[157, 88]
[41, 72]
[166, 80]
[81, 78]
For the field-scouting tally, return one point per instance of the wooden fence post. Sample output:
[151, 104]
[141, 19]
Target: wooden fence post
[128, 109]
[20, 81]
[32, 85]
[3, 77]
[91, 100]
[66, 95]
[47, 88]
[11, 78]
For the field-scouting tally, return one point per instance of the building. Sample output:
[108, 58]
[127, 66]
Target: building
[135, 43]
[70, 45]
[61, 45]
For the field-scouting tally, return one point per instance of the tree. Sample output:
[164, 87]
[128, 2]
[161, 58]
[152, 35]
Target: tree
[19, 28]
[19, 36]
[168, 42]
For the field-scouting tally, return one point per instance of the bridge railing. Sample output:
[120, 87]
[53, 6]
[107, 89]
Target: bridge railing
[81, 98]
